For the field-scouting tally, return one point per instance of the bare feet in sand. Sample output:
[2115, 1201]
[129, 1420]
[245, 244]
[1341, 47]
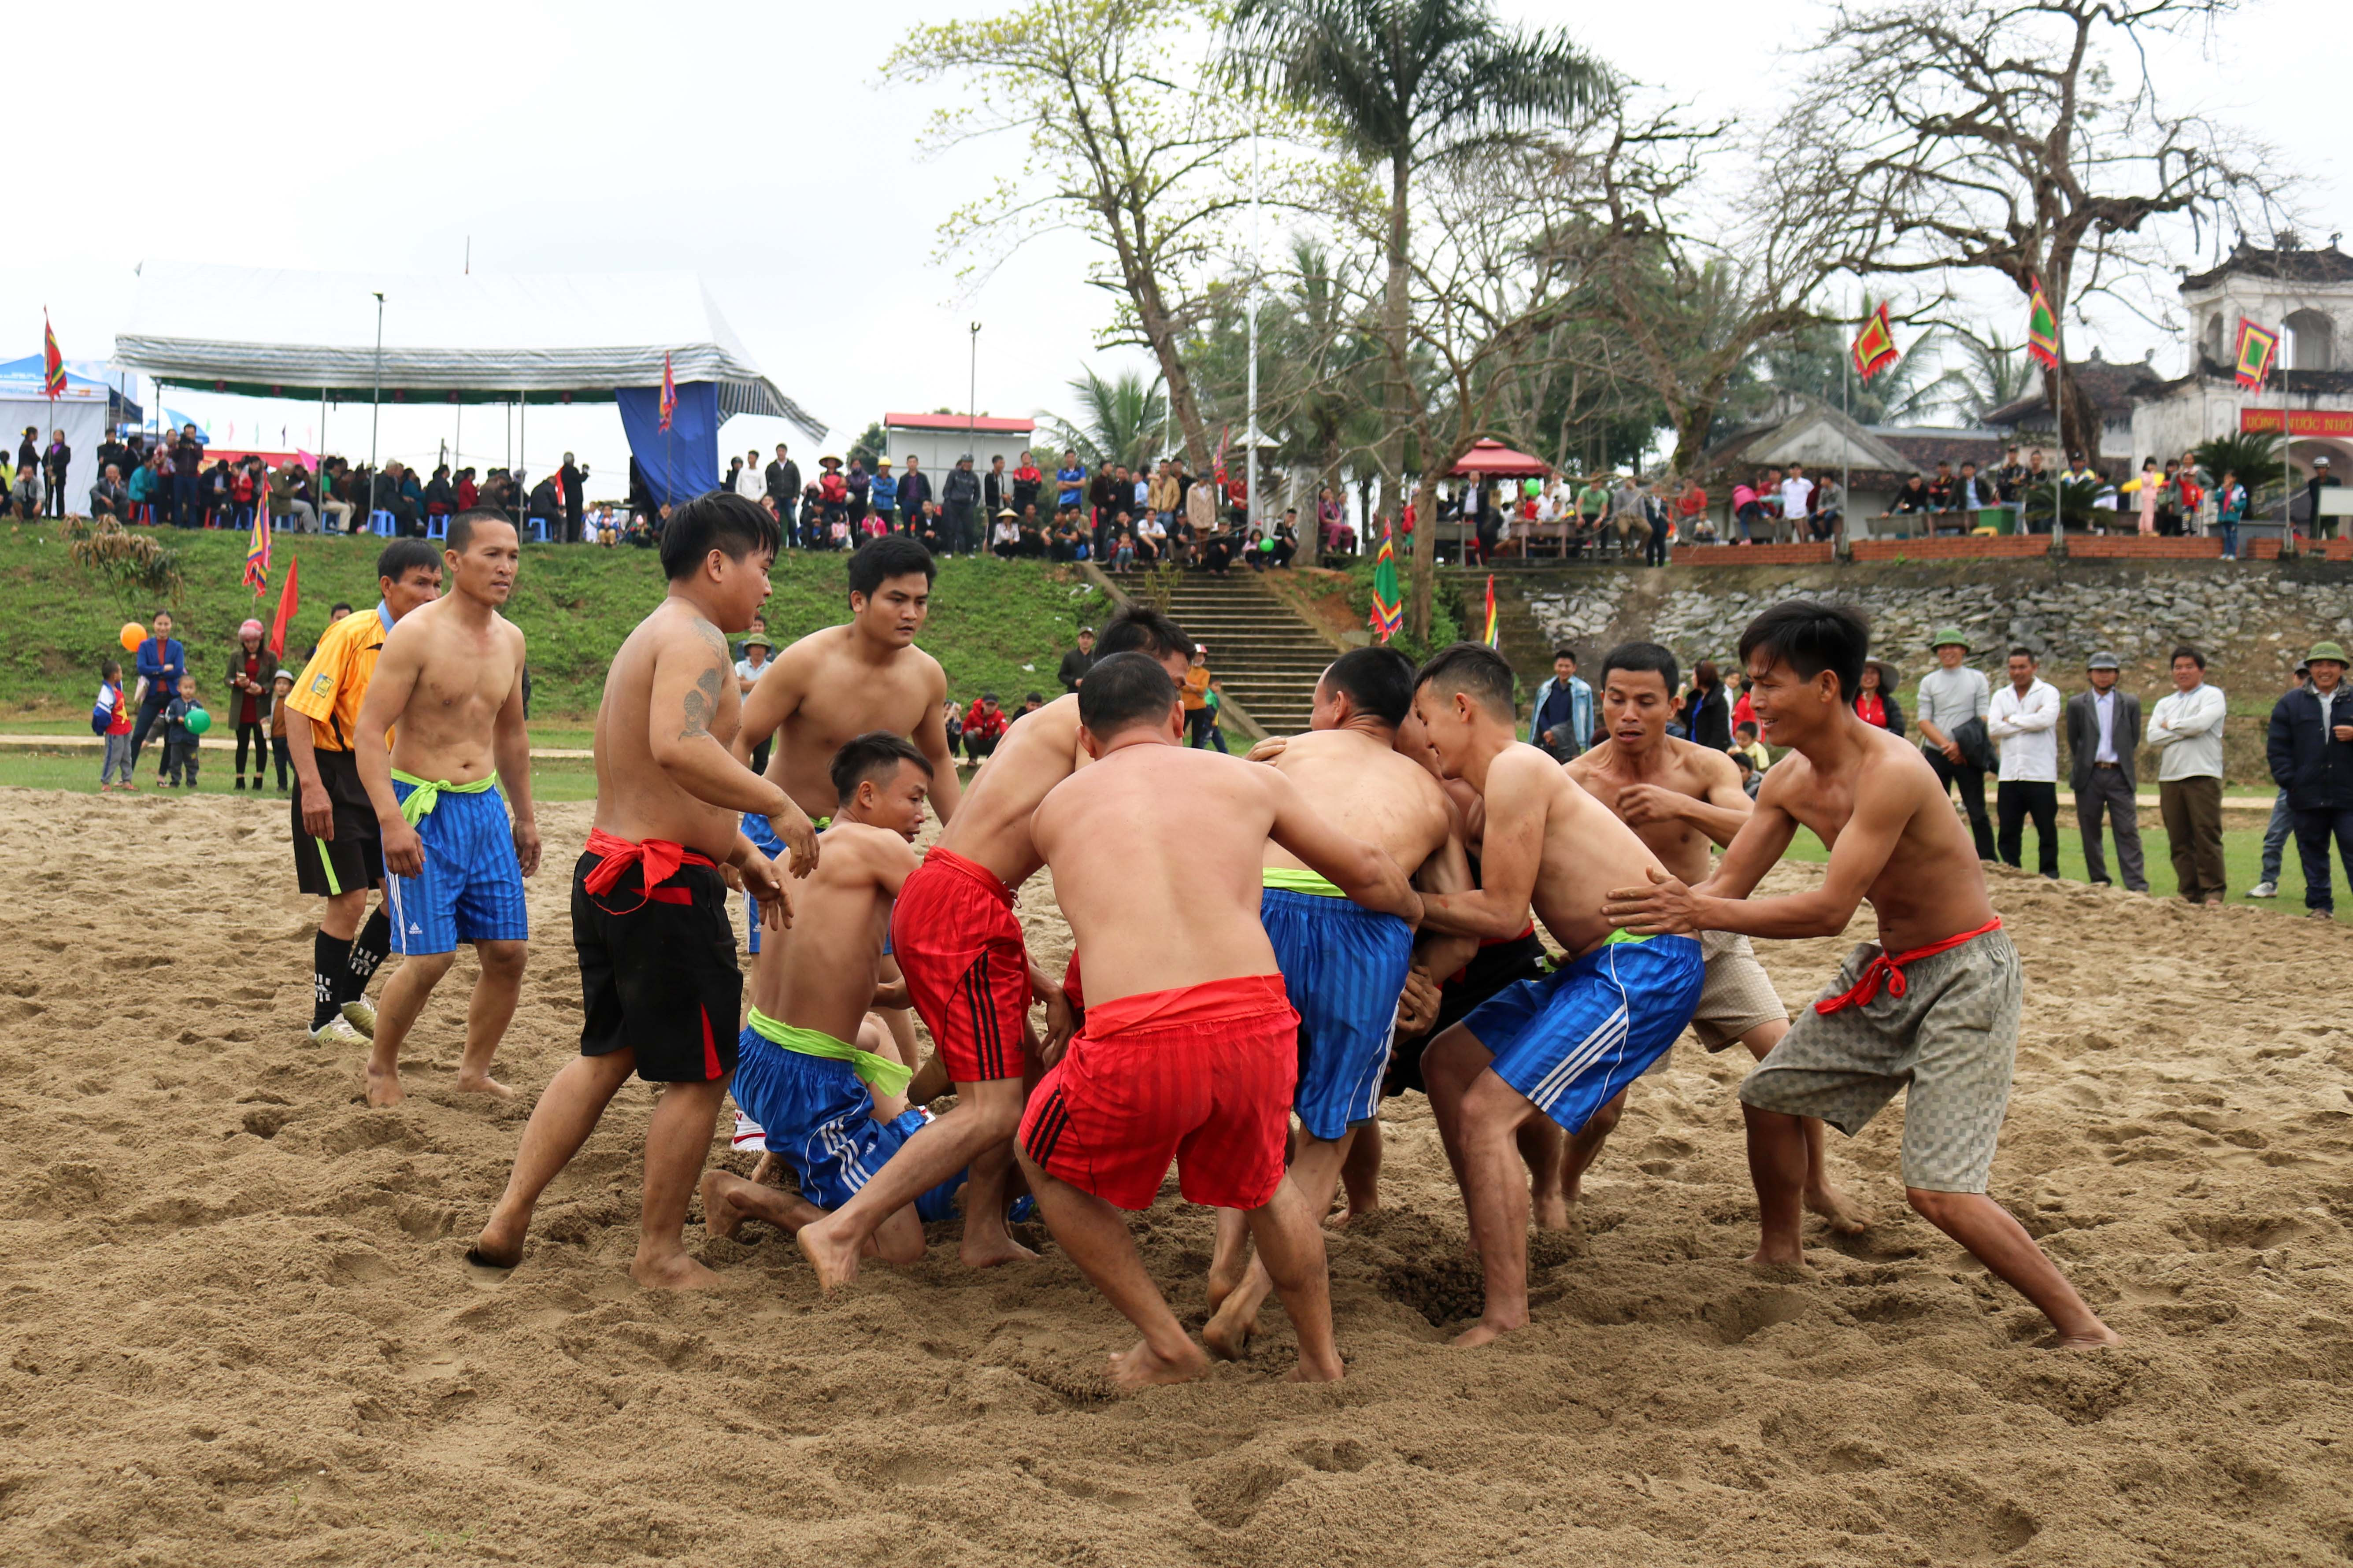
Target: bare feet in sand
[383, 1086]
[1775, 1264]
[836, 1262]
[1315, 1371]
[483, 1083]
[672, 1271]
[1143, 1366]
[721, 1217]
[1837, 1209]
[1228, 1333]
[2105, 1339]
[1226, 1275]
[1550, 1209]
[1485, 1331]
[991, 1249]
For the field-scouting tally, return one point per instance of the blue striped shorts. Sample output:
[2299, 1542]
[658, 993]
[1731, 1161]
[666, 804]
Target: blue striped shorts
[472, 887]
[1571, 1040]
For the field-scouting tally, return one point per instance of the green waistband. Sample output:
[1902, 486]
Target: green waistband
[424, 794]
[1618, 936]
[1291, 879]
[877, 1072]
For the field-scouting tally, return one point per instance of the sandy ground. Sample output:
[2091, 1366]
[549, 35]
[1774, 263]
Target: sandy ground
[237, 1331]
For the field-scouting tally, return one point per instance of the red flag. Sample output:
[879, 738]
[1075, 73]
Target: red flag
[1873, 349]
[290, 597]
[53, 363]
[668, 393]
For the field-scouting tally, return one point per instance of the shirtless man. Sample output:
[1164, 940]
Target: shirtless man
[1343, 967]
[657, 971]
[836, 1110]
[1930, 1009]
[449, 680]
[1561, 1047]
[970, 978]
[1679, 797]
[1190, 1047]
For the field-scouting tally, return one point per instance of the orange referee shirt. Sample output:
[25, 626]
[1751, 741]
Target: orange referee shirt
[334, 683]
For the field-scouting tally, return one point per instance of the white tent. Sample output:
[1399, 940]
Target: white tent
[84, 411]
[483, 337]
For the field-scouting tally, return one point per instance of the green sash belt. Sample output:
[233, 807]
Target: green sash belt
[1291, 879]
[876, 1072]
[1618, 936]
[424, 794]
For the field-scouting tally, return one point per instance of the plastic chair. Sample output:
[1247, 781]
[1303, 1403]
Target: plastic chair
[539, 529]
[381, 524]
[436, 525]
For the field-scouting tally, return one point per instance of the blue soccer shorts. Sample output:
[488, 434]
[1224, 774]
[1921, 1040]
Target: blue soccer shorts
[1343, 966]
[472, 887]
[1571, 1040]
[818, 1116]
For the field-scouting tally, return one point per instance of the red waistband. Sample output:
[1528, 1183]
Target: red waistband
[1507, 941]
[659, 860]
[949, 860]
[1236, 996]
[1890, 968]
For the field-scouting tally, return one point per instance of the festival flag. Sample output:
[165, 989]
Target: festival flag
[2256, 348]
[1217, 462]
[2041, 328]
[53, 363]
[1388, 609]
[257, 547]
[1494, 636]
[1873, 349]
[668, 393]
[289, 597]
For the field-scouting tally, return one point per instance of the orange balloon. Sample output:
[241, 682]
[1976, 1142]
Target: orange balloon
[134, 634]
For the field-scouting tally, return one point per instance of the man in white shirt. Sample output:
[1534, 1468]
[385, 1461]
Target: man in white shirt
[2023, 719]
[750, 482]
[2103, 729]
[1950, 696]
[2187, 728]
[1797, 503]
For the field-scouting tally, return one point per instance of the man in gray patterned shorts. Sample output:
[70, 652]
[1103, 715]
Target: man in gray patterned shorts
[1679, 798]
[1930, 1009]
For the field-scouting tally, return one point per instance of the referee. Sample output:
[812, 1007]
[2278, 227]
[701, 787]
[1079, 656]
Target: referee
[337, 855]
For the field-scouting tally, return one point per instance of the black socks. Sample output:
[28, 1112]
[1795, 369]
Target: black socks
[368, 950]
[331, 962]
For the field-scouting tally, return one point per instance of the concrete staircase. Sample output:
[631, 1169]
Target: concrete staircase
[1265, 657]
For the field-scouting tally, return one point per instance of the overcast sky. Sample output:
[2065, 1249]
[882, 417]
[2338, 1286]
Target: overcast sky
[757, 144]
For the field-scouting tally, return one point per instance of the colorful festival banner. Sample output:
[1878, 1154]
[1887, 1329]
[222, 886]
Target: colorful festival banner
[1388, 609]
[2041, 329]
[1493, 637]
[290, 599]
[1874, 348]
[2253, 355]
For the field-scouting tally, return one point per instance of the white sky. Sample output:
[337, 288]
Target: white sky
[756, 144]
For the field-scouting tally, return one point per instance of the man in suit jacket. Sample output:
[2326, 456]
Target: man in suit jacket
[2102, 736]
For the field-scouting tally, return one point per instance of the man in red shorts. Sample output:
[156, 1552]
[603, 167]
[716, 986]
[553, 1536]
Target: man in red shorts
[1190, 1049]
[970, 980]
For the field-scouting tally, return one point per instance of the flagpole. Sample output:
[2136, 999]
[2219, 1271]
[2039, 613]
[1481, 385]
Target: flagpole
[1846, 438]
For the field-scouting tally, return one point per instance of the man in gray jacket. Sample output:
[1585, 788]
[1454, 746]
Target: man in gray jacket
[2103, 734]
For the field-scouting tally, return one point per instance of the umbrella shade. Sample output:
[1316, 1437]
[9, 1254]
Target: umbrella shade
[1490, 458]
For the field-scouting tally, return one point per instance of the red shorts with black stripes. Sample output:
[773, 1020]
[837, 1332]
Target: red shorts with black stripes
[955, 938]
[1200, 1075]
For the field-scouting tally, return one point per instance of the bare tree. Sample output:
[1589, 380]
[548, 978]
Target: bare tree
[2022, 137]
[1134, 142]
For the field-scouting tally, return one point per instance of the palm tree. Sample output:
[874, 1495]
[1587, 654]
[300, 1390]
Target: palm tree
[1991, 373]
[1406, 82]
[1121, 420]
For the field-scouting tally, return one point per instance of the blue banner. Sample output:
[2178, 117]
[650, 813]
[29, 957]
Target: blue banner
[681, 462]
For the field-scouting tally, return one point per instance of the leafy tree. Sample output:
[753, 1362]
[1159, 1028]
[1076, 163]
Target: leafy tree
[1120, 420]
[873, 444]
[2252, 455]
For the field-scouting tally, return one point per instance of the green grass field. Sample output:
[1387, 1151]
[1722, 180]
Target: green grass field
[998, 626]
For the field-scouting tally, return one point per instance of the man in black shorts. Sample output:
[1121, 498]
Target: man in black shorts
[337, 854]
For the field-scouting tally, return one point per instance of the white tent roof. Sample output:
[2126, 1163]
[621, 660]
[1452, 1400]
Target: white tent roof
[553, 337]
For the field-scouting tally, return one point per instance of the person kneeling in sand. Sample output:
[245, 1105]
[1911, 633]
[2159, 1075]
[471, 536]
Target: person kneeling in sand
[1930, 1009]
[832, 1111]
[1190, 1047]
[1564, 1046]
[1680, 797]
[448, 688]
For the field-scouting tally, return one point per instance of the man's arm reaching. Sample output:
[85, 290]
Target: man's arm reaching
[690, 676]
[1509, 854]
[772, 699]
[930, 737]
[1721, 812]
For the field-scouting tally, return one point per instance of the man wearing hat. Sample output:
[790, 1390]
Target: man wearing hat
[959, 494]
[2320, 527]
[2102, 736]
[1952, 695]
[1077, 660]
[2310, 749]
[756, 650]
[2281, 825]
[883, 490]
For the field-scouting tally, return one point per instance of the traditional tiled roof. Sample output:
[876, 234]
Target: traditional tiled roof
[2287, 266]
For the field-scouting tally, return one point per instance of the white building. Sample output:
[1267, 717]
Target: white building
[939, 439]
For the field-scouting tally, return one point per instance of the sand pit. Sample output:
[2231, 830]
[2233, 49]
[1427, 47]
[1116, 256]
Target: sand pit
[238, 1332]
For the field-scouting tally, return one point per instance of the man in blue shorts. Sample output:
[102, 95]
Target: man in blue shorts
[448, 690]
[1566, 1045]
[814, 1067]
[1344, 966]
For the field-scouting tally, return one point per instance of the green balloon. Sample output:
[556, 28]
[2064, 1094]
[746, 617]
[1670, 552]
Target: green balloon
[198, 721]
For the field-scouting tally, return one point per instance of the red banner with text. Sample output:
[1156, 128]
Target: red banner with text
[2300, 421]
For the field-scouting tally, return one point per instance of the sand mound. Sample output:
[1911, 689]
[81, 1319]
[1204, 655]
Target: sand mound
[237, 1329]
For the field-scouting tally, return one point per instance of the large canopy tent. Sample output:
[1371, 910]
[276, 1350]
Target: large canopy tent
[1490, 460]
[84, 411]
[551, 338]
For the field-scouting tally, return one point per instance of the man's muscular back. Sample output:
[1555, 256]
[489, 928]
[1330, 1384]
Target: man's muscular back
[821, 696]
[464, 676]
[683, 655]
[1368, 791]
[1611, 775]
[991, 827]
[1537, 815]
[824, 978]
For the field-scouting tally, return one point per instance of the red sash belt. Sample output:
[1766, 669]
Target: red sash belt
[657, 859]
[1890, 968]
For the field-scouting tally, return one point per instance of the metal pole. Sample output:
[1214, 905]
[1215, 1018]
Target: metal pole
[971, 421]
[1258, 257]
[376, 396]
[1846, 437]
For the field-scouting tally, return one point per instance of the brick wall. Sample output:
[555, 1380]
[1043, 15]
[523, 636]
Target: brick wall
[2091, 547]
[2266, 549]
[1753, 555]
[1996, 546]
[2325, 548]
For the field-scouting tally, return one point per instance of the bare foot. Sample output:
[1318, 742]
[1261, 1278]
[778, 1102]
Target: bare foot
[1551, 1210]
[836, 1264]
[1354, 1211]
[1143, 1366]
[1776, 1264]
[1840, 1211]
[1486, 1331]
[1315, 1371]
[2100, 1341]
[764, 1168]
[721, 1217]
[499, 1247]
[989, 1250]
[1228, 1333]
[383, 1086]
[483, 1083]
[1226, 1276]
[672, 1271]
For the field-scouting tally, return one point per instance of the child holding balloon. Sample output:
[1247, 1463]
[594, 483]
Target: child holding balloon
[183, 720]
